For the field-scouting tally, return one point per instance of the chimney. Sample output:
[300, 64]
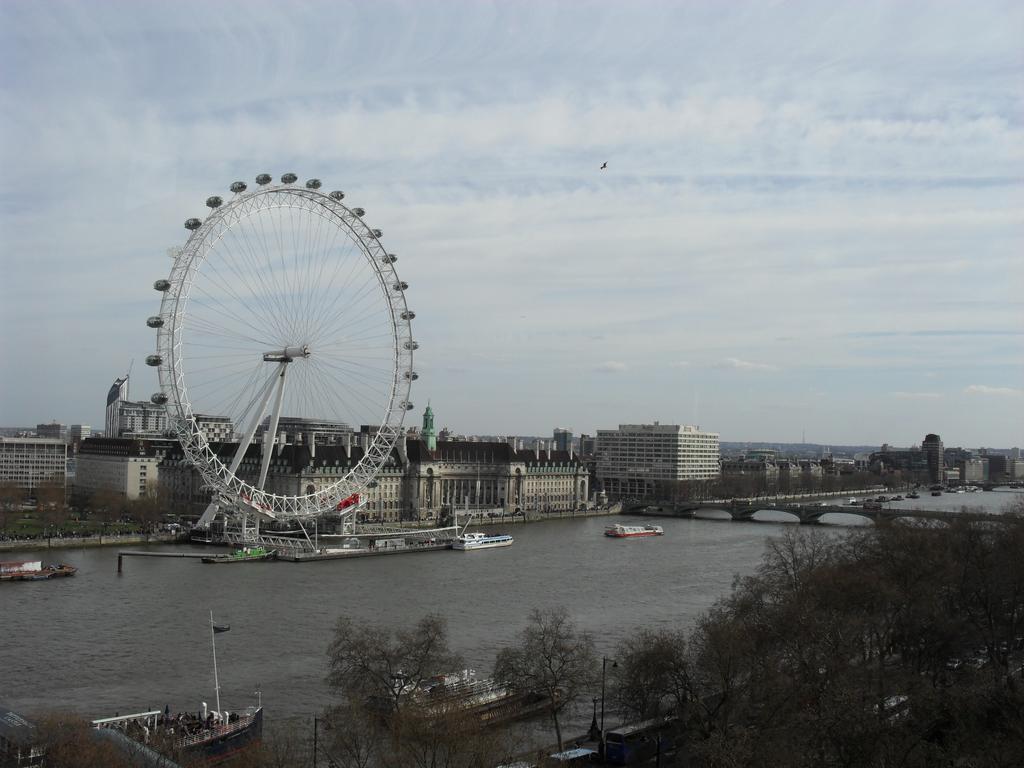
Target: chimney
[281, 437]
[311, 442]
[548, 452]
[536, 449]
[403, 448]
[348, 445]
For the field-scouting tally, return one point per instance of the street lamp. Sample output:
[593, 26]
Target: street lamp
[604, 672]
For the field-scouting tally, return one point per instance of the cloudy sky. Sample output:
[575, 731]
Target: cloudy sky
[812, 218]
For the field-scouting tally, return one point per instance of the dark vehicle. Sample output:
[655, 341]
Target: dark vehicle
[635, 743]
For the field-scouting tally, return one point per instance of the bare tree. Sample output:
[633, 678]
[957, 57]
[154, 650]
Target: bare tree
[68, 741]
[370, 662]
[552, 658]
[652, 673]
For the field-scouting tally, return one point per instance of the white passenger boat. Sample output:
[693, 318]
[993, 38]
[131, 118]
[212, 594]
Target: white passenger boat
[472, 541]
[619, 531]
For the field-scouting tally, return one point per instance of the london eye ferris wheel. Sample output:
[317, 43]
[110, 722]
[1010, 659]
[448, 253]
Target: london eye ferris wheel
[283, 303]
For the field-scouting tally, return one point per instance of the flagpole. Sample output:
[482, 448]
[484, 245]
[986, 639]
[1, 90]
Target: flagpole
[216, 681]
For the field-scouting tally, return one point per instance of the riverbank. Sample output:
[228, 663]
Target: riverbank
[82, 542]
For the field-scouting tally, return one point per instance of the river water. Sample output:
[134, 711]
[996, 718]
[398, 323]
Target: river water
[101, 643]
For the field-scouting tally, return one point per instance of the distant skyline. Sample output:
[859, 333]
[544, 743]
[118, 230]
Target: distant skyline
[812, 217]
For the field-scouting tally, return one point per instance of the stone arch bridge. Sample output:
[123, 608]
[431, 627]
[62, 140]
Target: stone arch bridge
[806, 514]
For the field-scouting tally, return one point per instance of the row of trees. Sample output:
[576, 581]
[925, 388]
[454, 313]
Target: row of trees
[53, 512]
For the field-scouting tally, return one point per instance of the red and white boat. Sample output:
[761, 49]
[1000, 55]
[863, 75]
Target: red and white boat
[619, 531]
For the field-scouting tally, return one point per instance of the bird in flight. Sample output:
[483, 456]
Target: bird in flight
[603, 166]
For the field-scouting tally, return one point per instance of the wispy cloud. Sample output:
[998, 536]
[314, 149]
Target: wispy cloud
[611, 366]
[984, 389]
[916, 395]
[736, 364]
[680, 364]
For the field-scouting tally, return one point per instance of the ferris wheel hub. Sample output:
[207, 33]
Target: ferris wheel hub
[286, 355]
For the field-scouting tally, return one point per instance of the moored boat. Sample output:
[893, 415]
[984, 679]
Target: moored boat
[243, 555]
[619, 531]
[33, 570]
[467, 542]
[203, 737]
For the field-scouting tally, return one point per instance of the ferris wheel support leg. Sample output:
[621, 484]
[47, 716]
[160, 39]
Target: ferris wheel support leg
[271, 433]
[257, 417]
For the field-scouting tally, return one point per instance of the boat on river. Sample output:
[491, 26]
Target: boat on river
[619, 531]
[469, 542]
[243, 555]
[33, 570]
[204, 737]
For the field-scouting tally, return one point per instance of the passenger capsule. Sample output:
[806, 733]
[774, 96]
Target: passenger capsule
[338, 194]
[162, 285]
[263, 178]
[408, 314]
[193, 224]
[214, 201]
[401, 285]
[158, 398]
[155, 321]
[407, 405]
[411, 345]
[389, 258]
[238, 186]
[289, 178]
[153, 360]
[313, 184]
[358, 211]
[377, 233]
[411, 375]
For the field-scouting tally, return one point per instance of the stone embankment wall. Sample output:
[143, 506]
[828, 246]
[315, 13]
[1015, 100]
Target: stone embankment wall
[77, 542]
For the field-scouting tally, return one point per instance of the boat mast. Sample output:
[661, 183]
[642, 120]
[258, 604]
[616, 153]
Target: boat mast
[216, 680]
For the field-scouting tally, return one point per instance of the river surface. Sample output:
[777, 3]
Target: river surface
[100, 643]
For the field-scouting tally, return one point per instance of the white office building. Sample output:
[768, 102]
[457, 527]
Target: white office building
[29, 462]
[640, 460]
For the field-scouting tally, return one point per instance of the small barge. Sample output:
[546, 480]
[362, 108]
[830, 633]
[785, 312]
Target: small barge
[33, 570]
[243, 555]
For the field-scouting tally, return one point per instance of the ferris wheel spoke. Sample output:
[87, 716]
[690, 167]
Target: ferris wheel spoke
[356, 381]
[366, 406]
[333, 319]
[216, 307]
[332, 293]
[251, 270]
[235, 259]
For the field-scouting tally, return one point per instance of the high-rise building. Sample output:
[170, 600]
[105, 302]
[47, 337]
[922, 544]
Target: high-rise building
[28, 462]
[932, 449]
[117, 394]
[563, 439]
[637, 460]
[78, 432]
[124, 418]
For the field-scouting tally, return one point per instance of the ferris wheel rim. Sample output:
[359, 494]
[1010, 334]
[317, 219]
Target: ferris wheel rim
[177, 291]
